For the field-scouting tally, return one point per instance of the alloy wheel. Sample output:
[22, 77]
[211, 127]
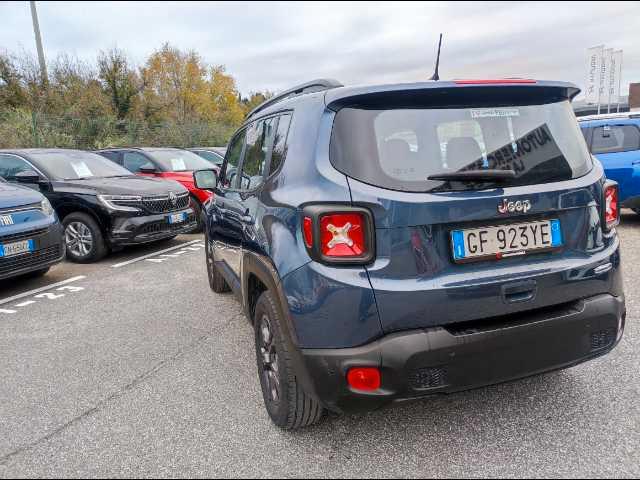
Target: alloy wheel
[79, 239]
[269, 360]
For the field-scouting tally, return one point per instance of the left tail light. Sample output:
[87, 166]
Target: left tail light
[611, 205]
[338, 235]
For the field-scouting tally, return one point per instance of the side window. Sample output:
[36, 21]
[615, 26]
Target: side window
[280, 143]
[113, 156]
[259, 140]
[10, 165]
[232, 160]
[615, 138]
[132, 161]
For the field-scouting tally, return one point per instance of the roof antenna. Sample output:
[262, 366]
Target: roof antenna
[436, 75]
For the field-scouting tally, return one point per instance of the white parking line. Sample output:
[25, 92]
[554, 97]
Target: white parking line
[154, 254]
[41, 289]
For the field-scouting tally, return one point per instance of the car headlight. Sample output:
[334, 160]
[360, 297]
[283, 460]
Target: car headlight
[122, 203]
[46, 207]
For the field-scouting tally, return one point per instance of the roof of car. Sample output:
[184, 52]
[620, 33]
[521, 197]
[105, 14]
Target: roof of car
[144, 149]
[610, 116]
[41, 150]
[336, 96]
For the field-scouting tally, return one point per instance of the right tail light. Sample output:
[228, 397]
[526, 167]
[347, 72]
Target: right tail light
[611, 205]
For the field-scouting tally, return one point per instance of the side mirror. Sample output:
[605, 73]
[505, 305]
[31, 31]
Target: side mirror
[148, 168]
[205, 179]
[27, 176]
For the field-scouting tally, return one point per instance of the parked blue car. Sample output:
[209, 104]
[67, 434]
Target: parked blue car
[615, 141]
[30, 234]
[398, 241]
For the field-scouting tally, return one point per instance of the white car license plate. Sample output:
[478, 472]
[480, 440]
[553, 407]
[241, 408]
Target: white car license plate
[178, 218]
[10, 249]
[505, 240]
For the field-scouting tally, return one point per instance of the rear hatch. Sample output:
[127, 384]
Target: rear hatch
[452, 249]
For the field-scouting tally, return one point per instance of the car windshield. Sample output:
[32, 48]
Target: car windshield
[75, 165]
[213, 157]
[179, 160]
[400, 149]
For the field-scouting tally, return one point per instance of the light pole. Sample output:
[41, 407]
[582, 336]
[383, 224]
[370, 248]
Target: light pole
[36, 31]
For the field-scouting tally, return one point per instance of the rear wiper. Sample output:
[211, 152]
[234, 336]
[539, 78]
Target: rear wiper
[475, 176]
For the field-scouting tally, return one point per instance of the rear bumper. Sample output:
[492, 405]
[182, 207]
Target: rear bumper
[439, 360]
[138, 230]
[49, 250]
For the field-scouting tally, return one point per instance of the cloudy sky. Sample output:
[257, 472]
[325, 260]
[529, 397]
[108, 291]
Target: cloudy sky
[269, 45]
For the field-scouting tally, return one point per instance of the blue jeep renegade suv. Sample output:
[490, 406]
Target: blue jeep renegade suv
[399, 241]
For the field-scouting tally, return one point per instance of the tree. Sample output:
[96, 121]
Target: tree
[255, 99]
[222, 90]
[12, 93]
[119, 81]
[175, 84]
[75, 91]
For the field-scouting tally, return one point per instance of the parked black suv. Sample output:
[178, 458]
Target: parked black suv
[393, 242]
[102, 206]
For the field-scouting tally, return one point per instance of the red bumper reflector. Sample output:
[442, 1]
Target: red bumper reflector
[366, 379]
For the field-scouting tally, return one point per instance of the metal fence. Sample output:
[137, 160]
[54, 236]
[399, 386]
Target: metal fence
[22, 129]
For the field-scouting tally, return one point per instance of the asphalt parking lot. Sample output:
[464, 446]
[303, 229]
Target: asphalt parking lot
[140, 370]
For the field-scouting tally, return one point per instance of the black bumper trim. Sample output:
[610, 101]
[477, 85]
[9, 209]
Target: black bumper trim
[139, 230]
[419, 363]
[50, 250]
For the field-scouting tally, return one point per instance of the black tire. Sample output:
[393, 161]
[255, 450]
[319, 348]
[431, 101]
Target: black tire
[197, 211]
[96, 251]
[217, 283]
[289, 407]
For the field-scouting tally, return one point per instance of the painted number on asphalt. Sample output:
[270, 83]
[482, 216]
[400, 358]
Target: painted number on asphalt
[47, 296]
[175, 254]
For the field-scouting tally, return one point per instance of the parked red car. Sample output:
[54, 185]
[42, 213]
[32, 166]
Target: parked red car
[168, 163]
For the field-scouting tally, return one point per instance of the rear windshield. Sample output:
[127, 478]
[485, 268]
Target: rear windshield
[399, 149]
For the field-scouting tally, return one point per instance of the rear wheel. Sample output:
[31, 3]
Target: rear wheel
[286, 402]
[83, 238]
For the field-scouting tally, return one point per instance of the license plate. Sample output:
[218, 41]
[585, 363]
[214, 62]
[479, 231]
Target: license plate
[10, 249]
[505, 241]
[178, 218]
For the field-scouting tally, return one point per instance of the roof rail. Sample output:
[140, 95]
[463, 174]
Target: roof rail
[318, 85]
[609, 116]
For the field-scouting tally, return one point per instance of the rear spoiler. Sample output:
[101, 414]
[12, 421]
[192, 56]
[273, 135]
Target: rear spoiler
[452, 94]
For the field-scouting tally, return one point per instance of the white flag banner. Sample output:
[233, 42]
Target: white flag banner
[614, 74]
[594, 73]
[605, 66]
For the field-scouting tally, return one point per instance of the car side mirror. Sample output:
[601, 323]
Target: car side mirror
[205, 179]
[148, 168]
[27, 176]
